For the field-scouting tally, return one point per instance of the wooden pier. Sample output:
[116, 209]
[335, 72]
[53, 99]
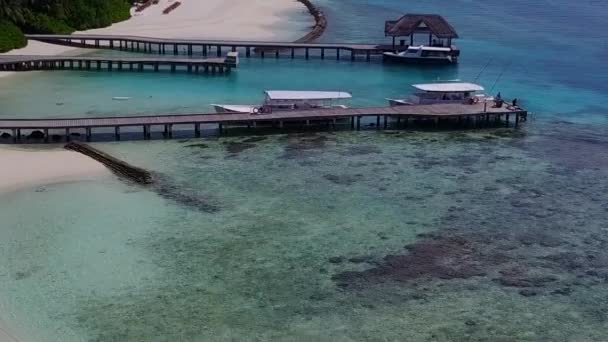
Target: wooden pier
[27, 63]
[459, 115]
[210, 47]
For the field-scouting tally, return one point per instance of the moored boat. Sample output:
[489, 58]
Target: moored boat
[448, 92]
[287, 100]
[424, 55]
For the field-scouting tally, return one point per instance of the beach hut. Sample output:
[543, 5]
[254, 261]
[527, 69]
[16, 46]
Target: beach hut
[439, 31]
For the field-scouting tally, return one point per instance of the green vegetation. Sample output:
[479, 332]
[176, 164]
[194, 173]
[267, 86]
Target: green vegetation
[11, 37]
[56, 16]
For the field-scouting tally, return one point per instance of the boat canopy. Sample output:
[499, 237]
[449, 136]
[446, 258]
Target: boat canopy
[306, 95]
[429, 48]
[451, 87]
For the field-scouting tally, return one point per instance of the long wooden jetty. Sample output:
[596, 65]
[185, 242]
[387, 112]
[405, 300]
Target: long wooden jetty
[26, 63]
[208, 47]
[479, 114]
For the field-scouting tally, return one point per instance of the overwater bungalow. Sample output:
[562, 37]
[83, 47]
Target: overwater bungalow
[438, 48]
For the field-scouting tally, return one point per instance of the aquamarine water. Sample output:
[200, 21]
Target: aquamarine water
[493, 235]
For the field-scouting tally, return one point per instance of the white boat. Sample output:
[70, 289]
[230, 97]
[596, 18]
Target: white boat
[287, 100]
[449, 92]
[424, 54]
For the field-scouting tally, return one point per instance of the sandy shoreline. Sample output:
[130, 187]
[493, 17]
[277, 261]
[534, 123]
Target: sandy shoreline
[25, 169]
[5, 334]
[209, 19]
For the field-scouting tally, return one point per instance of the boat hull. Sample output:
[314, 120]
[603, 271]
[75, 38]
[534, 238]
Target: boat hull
[395, 58]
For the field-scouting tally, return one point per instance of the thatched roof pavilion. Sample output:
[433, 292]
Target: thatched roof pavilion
[432, 24]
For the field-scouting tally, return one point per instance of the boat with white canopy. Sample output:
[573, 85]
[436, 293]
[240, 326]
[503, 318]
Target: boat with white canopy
[287, 100]
[424, 55]
[449, 92]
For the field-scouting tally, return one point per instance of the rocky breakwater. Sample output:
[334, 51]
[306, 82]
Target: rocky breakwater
[119, 167]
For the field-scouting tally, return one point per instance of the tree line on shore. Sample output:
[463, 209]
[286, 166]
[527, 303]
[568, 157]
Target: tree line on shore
[55, 16]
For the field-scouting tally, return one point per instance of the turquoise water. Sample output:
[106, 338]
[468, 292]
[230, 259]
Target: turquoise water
[494, 235]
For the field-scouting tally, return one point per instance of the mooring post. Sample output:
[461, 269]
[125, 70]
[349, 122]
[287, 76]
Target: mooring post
[307, 53]
[358, 123]
[220, 128]
[67, 134]
[507, 120]
[352, 122]
[385, 121]
[16, 134]
[516, 119]
[46, 135]
[377, 121]
[322, 53]
[352, 55]
[219, 51]
[293, 53]
[368, 56]
[117, 132]
[338, 54]
[276, 53]
[248, 51]
[88, 133]
[197, 130]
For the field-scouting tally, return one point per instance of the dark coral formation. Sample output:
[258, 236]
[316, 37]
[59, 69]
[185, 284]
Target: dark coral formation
[301, 146]
[169, 189]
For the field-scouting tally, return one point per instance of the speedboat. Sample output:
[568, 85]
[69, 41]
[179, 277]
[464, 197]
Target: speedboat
[286, 100]
[424, 54]
[434, 93]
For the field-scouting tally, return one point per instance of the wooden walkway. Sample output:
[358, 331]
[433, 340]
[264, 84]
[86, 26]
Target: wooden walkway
[27, 63]
[456, 113]
[206, 47]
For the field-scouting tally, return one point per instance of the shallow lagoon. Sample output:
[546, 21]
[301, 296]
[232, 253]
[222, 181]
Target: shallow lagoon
[307, 236]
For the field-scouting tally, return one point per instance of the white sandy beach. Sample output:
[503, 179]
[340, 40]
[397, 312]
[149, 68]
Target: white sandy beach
[5, 335]
[22, 169]
[209, 19]
[196, 19]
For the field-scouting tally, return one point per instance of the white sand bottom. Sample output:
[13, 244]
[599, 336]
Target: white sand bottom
[23, 169]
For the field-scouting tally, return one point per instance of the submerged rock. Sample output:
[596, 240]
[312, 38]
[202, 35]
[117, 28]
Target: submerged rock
[342, 179]
[36, 135]
[254, 139]
[235, 148]
[528, 293]
[302, 145]
[201, 145]
[336, 260]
